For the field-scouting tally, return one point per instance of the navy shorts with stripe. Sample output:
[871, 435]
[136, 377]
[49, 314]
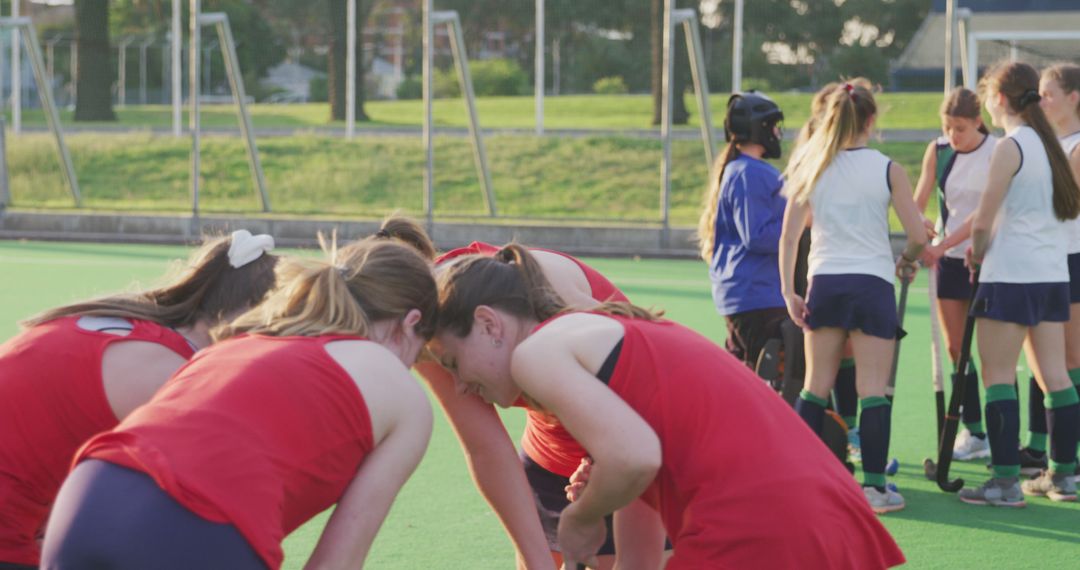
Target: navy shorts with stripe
[852, 302]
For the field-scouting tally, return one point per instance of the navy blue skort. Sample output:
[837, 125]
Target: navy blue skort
[953, 279]
[852, 302]
[1026, 304]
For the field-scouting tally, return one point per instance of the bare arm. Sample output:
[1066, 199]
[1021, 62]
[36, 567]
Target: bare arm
[556, 368]
[132, 371]
[348, 535]
[795, 218]
[924, 188]
[493, 464]
[909, 215]
[1004, 163]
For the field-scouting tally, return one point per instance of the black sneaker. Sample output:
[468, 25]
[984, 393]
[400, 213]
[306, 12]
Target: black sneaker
[1032, 462]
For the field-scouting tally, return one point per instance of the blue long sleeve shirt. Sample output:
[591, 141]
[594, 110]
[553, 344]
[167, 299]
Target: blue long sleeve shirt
[745, 269]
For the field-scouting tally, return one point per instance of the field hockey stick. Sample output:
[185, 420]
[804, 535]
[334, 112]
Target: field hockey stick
[929, 468]
[906, 276]
[952, 417]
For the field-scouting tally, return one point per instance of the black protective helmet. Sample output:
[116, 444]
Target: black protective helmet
[751, 117]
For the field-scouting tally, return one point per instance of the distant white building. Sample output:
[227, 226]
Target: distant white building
[293, 79]
[922, 63]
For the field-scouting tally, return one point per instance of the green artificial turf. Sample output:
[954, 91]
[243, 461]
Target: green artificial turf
[440, 521]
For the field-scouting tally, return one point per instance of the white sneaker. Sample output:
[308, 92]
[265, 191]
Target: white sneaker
[882, 503]
[968, 447]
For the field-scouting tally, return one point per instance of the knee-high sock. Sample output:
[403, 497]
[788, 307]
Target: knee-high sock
[874, 431]
[972, 406]
[845, 395]
[1063, 419]
[1003, 429]
[1036, 417]
[811, 409]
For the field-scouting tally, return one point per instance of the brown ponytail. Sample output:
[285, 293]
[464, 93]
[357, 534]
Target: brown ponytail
[1019, 83]
[511, 281]
[364, 282]
[409, 231]
[208, 287]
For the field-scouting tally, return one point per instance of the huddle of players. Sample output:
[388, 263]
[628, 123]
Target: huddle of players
[1008, 215]
[198, 424]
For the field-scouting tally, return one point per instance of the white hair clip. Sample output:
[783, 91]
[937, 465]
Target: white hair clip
[246, 248]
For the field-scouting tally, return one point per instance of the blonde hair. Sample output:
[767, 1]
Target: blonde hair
[706, 231]
[817, 109]
[1067, 76]
[847, 111]
[511, 281]
[365, 282]
[208, 287]
[1019, 83]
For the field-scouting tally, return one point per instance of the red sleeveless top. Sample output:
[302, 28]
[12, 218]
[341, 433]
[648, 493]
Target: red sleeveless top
[721, 506]
[52, 399]
[259, 432]
[545, 440]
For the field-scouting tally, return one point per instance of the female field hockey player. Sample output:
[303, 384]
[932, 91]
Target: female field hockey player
[549, 454]
[956, 165]
[1059, 87]
[845, 394]
[308, 401]
[77, 370]
[739, 230]
[1018, 240]
[848, 188]
[659, 410]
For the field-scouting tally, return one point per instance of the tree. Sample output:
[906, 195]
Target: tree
[94, 102]
[336, 13]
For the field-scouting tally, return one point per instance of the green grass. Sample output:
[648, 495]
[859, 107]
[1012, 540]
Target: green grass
[440, 521]
[609, 177]
[898, 111]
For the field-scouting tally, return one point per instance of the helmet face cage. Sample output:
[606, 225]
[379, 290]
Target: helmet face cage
[753, 117]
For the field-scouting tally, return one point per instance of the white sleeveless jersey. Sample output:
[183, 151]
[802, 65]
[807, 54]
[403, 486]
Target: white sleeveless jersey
[965, 181]
[850, 205]
[1070, 143]
[1028, 243]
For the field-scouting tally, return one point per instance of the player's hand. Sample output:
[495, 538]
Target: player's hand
[972, 262]
[579, 540]
[931, 255]
[579, 479]
[796, 308]
[906, 269]
[931, 229]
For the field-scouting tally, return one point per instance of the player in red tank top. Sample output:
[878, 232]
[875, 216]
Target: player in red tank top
[549, 453]
[76, 370]
[307, 402]
[659, 423]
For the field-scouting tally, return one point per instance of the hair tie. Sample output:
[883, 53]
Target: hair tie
[849, 88]
[1030, 96]
[246, 248]
[383, 234]
[342, 271]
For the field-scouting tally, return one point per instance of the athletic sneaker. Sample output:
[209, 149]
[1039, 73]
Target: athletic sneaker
[882, 503]
[1053, 486]
[999, 492]
[970, 446]
[1076, 475]
[854, 446]
[1032, 462]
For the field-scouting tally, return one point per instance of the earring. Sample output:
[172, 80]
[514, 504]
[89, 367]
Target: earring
[496, 342]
